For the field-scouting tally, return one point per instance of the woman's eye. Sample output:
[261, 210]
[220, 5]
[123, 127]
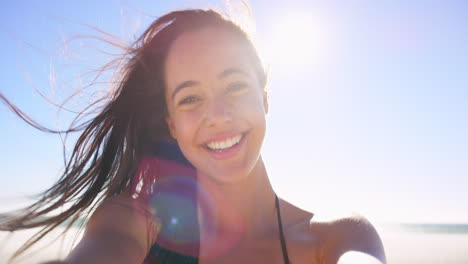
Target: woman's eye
[188, 100]
[237, 87]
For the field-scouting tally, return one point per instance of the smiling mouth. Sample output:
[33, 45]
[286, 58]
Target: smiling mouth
[225, 144]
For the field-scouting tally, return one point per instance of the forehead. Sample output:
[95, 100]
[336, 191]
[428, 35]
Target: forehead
[203, 54]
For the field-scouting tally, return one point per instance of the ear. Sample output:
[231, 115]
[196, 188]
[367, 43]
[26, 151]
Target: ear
[265, 102]
[170, 125]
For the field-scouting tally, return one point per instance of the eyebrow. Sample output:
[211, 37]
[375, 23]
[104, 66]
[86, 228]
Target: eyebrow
[230, 71]
[182, 86]
[222, 75]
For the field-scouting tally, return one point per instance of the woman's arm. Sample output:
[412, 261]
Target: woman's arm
[119, 231]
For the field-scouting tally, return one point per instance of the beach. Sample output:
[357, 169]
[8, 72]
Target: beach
[51, 247]
[404, 246]
[443, 244]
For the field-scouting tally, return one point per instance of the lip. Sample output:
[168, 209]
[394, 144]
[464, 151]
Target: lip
[227, 153]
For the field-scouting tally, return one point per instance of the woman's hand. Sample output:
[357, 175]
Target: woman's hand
[355, 257]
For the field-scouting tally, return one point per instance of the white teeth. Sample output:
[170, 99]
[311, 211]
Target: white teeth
[227, 143]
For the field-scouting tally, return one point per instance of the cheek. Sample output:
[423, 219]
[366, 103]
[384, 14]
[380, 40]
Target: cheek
[185, 127]
[252, 106]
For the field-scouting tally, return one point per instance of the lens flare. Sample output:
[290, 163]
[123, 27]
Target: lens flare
[181, 207]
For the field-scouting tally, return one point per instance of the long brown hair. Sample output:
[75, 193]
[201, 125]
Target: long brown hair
[106, 155]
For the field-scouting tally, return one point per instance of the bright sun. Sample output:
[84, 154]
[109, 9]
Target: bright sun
[293, 40]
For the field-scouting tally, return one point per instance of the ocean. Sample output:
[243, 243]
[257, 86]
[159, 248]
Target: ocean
[425, 243]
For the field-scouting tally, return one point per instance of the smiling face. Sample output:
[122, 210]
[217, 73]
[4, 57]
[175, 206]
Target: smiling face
[216, 107]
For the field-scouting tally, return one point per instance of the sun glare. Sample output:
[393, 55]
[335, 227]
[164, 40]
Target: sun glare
[294, 40]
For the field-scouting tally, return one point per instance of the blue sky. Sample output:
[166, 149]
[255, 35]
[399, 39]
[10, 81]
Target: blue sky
[368, 98]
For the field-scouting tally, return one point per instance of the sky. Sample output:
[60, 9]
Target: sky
[368, 99]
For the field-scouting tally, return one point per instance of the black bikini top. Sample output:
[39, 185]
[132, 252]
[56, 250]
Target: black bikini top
[280, 227]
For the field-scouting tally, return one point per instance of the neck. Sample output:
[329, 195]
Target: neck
[245, 209]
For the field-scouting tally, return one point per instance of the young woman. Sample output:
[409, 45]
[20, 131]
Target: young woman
[194, 83]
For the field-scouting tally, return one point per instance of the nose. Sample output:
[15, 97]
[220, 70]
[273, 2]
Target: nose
[218, 112]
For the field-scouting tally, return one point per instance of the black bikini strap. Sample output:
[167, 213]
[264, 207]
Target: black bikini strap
[280, 225]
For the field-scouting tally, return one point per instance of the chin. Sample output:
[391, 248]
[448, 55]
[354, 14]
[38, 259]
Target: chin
[223, 177]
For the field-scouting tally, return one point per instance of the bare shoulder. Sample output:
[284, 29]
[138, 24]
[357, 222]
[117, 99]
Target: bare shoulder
[124, 215]
[121, 230]
[347, 234]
